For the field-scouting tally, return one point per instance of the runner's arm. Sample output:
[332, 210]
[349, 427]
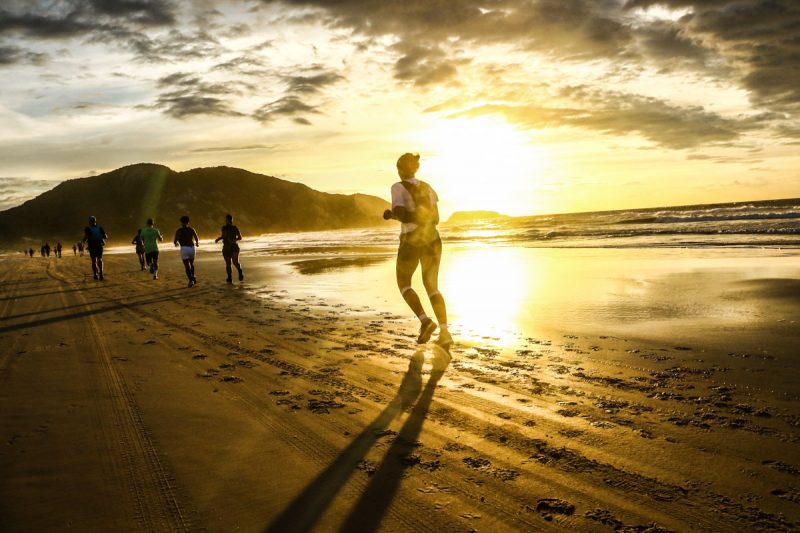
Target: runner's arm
[196, 239]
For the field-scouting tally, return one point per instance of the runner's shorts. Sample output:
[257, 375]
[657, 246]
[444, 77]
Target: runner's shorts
[151, 256]
[412, 251]
[187, 253]
[95, 250]
[229, 249]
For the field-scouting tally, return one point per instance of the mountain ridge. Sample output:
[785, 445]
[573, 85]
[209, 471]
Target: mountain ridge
[122, 199]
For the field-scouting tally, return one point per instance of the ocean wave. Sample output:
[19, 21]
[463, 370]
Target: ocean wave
[703, 217]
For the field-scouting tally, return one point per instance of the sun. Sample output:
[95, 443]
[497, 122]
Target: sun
[481, 163]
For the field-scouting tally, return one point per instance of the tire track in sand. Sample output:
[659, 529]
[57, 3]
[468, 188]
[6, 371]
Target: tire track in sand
[152, 487]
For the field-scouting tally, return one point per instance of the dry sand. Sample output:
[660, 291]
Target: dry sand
[141, 405]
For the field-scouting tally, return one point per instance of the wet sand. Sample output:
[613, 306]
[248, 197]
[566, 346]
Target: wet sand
[136, 404]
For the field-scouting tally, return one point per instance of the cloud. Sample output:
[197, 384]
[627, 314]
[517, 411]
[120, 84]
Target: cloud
[12, 55]
[615, 113]
[176, 46]
[425, 65]
[59, 19]
[759, 38]
[15, 190]
[232, 148]
[312, 84]
[288, 106]
[188, 95]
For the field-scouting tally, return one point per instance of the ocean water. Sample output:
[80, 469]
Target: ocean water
[774, 224]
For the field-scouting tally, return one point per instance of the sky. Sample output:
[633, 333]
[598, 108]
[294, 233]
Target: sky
[517, 106]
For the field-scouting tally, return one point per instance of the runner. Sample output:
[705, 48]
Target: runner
[186, 237]
[95, 238]
[414, 205]
[80, 249]
[74, 249]
[230, 249]
[150, 236]
[137, 240]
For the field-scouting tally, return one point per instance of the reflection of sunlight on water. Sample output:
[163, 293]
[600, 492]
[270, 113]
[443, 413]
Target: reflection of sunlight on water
[485, 291]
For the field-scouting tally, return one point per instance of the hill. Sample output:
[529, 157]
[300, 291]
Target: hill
[124, 198]
[462, 217]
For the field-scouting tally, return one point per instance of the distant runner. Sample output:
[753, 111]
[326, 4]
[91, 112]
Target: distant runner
[186, 237]
[95, 238]
[414, 205]
[150, 236]
[230, 248]
[137, 240]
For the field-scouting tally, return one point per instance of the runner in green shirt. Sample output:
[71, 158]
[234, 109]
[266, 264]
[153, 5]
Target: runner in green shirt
[150, 236]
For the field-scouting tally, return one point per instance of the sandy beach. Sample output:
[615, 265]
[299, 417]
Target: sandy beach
[141, 405]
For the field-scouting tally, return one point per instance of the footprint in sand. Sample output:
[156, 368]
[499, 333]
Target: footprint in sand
[547, 507]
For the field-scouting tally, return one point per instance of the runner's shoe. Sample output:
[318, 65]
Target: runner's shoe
[444, 340]
[426, 329]
[228, 280]
[241, 275]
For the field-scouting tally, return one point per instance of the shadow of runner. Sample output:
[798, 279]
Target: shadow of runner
[371, 507]
[306, 509]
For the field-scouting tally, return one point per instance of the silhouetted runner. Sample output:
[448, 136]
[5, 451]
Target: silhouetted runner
[74, 249]
[230, 248]
[186, 237]
[414, 205]
[137, 240]
[150, 237]
[95, 238]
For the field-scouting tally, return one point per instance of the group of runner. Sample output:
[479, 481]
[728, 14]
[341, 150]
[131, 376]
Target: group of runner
[414, 205]
[147, 239]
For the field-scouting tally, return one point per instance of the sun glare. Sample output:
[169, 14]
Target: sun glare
[481, 163]
[485, 290]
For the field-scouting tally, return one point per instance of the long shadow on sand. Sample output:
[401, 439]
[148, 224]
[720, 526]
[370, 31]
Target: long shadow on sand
[87, 312]
[307, 508]
[48, 293]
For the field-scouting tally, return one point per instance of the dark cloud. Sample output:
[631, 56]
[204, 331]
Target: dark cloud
[288, 106]
[187, 95]
[55, 19]
[760, 38]
[425, 65]
[175, 46]
[149, 12]
[12, 55]
[313, 83]
[665, 125]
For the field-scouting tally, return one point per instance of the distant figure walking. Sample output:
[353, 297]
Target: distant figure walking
[47, 249]
[74, 249]
[150, 236]
[137, 240]
[80, 248]
[30, 251]
[230, 248]
[414, 205]
[58, 250]
[186, 238]
[95, 238]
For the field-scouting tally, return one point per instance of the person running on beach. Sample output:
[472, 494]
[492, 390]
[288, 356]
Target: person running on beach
[95, 238]
[137, 240]
[30, 251]
[186, 237]
[230, 249]
[150, 236]
[58, 249]
[74, 249]
[414, 205]
[80, 249]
